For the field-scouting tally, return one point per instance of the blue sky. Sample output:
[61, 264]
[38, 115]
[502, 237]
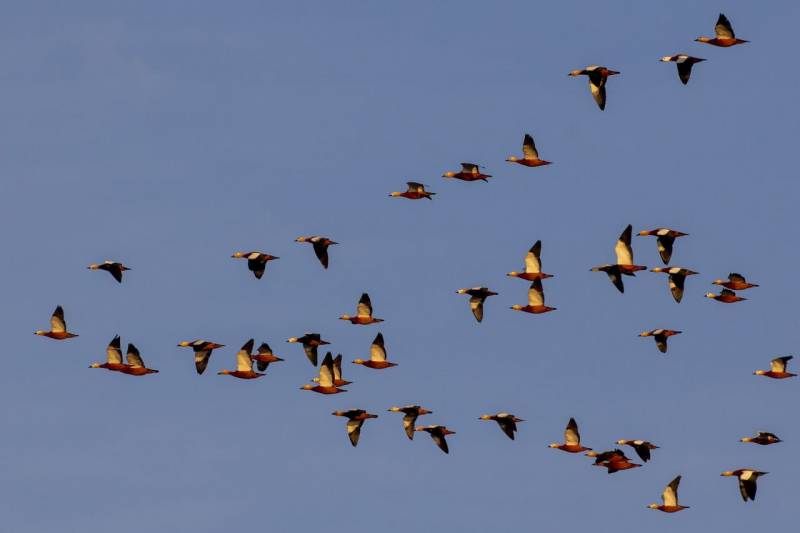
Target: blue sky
[170, 136]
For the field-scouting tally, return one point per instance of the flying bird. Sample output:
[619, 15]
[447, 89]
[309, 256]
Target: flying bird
[725, 296]
[325, 383]
[355, 419]
[438, 434]
[202, 352]
[337, 372]
[777, 368]
[377, 355]
[468, 172]
[135, 365]
[112, 267]
[244, 364]
[624, 265]
[684, 63]
[665, 238]
[415, 191]
[530, 155]
[660, 336]
[724, 35]
[735, 282]
[677, 279]
[533, 265]
[264, 356]
[598, 77]
[410, 414]
[256, 261]
[58, 327]
[669, 499]
[762, 438]
[310, 342]
[506, 421]
[477, 296]
[363, 313]
[572, 439]
[641, 447]
[614, 460]
[320, 245]
[747, 481]
[113, 357]
[536, 304]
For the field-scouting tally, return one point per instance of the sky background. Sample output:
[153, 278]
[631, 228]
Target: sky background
[169, 135]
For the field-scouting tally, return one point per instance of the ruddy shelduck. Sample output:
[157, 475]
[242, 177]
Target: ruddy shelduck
[256, 261]
[438, 434]
[113, 357]
[777, 369]
[725, 296]
[747, 481]
[669, 499]
[135, 365]
[410, 414]
[735, 282]
[325, 383]
[202, 352]
[684, 63]
[572, 439]
[660, 335]
[536, 304]
[530, 155]
[310, 342]
[477, 297]
[665, 238]
[614, 460]
[112, 267]
[533, 265]
[506, 421]
[641, 447]
[58, 327]
[624, 265]
[724, 35]
[468, 172]
[320, 245]
[598, 77]
[415, 191]
[377, 355]
[677, 279]
[264, 356]
[337, 372]
[363, 315]
[244, 364]
[763, 438]
[355, 419]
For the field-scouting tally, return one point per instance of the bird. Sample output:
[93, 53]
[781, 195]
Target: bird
[735, 282]
[135, 365]
[506, 421]
[533, 265]
[410, 414]
[244, 364]
[363, 313]
[468, 172]
[777, 368]
[660, 336]
[624, 265]
[438, 434]
[256, 261]
[415, 191]
[355, 419]
[677, 279]
[747, 481]
[762, 438]
[614, 460]
[665, 238]
[724, 35]
[112, 267]
[202, 352]
[684, 63]
[598, 77]
[669, 499]
[641, 447]
[113, 357]
[725, 296]
[58, 327]
[377, 355]
[337, 372]
[320, 247]
[536, 304]
[264, 356]
[325, 383]
[478, 296]
[572, 439]
[310, 342]
[530, 155]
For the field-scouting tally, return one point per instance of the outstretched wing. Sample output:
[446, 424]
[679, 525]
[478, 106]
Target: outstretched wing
[377, 352]
[364, 308]
[623, 247]
[779, 364]
[113, 352]
[133, 357]
[536, 293]
[670, 495]
[529, 148]
[533, 259]
[571, 434]
[57, 322]
[723, 29]
[321, 251]
[354, 430]
[326, 371]
[476, 304]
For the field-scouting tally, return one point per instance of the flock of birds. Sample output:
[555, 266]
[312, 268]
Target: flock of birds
[329, 380]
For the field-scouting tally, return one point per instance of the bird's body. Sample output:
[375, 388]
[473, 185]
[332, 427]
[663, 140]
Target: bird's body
[684, 63]
[747, 481]
[468, 172]
[410, 414]
[530, 155]
[572, 439]
[244, 364]
[415, 191]
[325, 384]
[536, 304]
[677, 279]
[112, 267]
[58, 327]
[202, 352]
[311, 342]
[256, 261]
[477, 298]
[723, 34]
[660, 336]
[762, 438]
[624, 265]
[135, 365]
[777, 368]
[363, 316]
[355, 419]
[438, 434]
[377, 355]
[113, 357]
[725, 296]
[264, 356]
[669, 499]
[598, 77]
[735, 282]
[506, 421]
[533, 265]
[641, 447]
[320, 245]
[665, 239]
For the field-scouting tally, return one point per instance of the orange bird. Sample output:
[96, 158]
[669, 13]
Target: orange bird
[506, 421]
[113, 357]
[665, 238]
[202, 352]
[264, 357]
[762, 438]
[468, 172]
[613, 461]
[624, 266]
[598, 77]
[641, 447]
[320, 245]
[533, 265]
[669, 499]
[725, 296]
[244, 364]
[311, 342]
[477, 298]
[256, 261]
[677, 279]
[572, 439]
[355, 419]
[747, 481]
[530, 155]
[724, 35]
[777, 368]
[735, 282]
[337, 372]
[438, 434]
[536, 304]
[136, 366]
[363, 313]
[660, 336]
[325, 382]
[416, 191]
[58, 327]
[684, 63]
[377, 355]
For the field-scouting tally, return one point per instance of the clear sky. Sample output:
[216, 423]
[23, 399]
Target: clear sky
[169, 135]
